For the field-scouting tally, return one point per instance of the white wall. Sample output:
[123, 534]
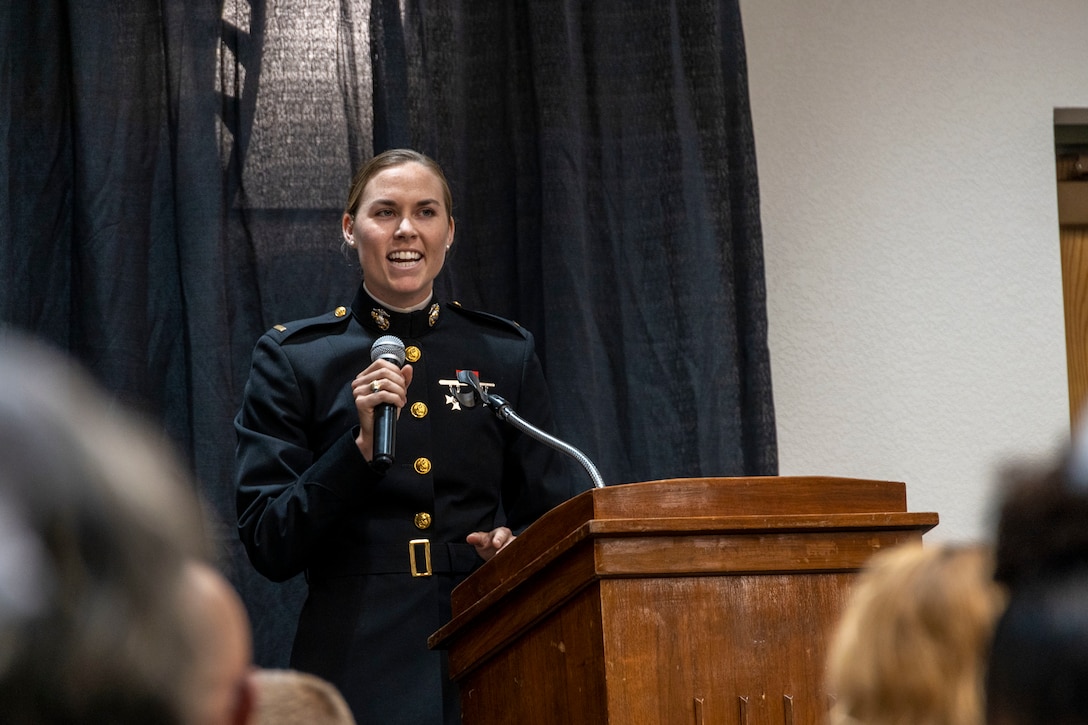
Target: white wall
[906, 166]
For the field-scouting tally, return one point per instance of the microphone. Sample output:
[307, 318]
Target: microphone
[391, 348]
[474, 390]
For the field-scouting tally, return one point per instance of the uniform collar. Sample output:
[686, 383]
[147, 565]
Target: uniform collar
[374, 316]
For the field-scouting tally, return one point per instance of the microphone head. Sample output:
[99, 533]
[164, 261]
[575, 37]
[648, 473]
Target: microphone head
[388, 347]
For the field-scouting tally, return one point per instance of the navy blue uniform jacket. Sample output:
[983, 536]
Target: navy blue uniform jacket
[309, 502]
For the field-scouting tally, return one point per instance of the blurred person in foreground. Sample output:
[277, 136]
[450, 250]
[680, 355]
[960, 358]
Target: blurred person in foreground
[102, 551]
[1038, 667]
[911, 644]
[219, 687]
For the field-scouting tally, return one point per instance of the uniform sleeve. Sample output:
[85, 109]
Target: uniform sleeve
[287, 496]
[537, 477]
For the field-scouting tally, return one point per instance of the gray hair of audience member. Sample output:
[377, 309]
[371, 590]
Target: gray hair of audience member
[97, 520]
[285, 697]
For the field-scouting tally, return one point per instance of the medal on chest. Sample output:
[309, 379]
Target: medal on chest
[458, 392]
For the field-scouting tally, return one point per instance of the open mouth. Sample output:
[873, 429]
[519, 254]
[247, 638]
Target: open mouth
[404, 257]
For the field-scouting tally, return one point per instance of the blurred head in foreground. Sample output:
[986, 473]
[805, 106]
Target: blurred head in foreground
[99, 524]
[911, 644]
[1038, 667]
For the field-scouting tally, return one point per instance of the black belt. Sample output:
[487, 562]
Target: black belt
[418, 557]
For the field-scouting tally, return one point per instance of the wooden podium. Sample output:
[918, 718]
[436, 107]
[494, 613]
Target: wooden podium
[670, 602]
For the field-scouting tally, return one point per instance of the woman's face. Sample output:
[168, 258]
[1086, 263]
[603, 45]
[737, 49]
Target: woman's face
[401, 230]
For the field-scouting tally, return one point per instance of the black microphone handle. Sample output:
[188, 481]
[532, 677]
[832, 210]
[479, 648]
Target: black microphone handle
[391, 348]
[385, 436]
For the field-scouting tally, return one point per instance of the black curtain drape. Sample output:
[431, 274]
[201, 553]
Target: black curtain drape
[175, 176]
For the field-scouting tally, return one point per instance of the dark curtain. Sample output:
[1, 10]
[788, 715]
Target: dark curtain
[175, 176]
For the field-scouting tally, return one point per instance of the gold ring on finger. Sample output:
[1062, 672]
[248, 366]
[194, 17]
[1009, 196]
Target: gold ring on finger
[375, 385]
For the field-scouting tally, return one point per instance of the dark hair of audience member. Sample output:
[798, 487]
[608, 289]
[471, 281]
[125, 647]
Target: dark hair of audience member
[1042, 526]
[1038, 665]
[97, 521]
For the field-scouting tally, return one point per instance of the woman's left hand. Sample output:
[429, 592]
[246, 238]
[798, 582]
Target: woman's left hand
[489, 543]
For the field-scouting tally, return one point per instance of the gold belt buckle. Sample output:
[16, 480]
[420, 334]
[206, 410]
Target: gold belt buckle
[426, 544]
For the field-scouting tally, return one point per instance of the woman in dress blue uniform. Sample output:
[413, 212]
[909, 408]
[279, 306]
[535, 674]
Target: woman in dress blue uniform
[462, 481]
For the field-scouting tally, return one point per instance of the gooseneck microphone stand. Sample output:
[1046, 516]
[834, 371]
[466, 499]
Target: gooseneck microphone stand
[503, 411]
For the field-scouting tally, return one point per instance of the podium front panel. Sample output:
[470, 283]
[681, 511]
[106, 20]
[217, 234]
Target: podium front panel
[671, 603]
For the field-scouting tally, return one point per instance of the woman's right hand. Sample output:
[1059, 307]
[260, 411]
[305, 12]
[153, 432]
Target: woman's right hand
[381, 382]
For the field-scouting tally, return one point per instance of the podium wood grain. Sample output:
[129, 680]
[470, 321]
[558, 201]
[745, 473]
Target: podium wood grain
[670, 602]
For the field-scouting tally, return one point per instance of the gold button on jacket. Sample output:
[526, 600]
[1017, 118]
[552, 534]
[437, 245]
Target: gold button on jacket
[423, 520]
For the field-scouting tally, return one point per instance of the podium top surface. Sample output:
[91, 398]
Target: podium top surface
[755, 496]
